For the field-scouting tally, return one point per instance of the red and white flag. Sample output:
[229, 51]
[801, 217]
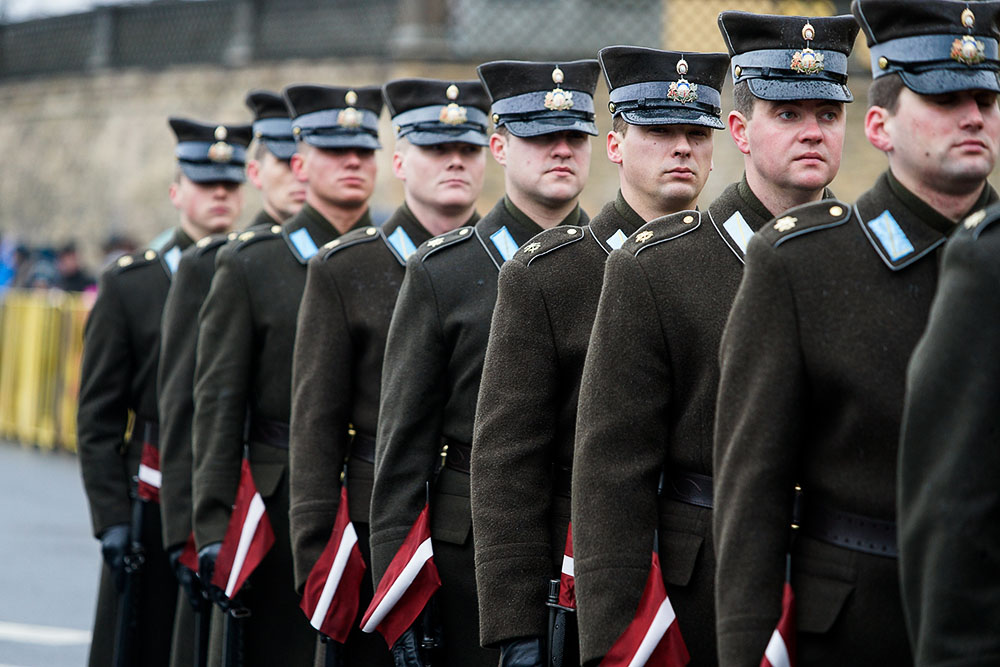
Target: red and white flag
[652, 638]
[189, 555]
[567, 579]
[333, 588]
[150, 476]
[407, 585]
[780, 651]
[248, 538]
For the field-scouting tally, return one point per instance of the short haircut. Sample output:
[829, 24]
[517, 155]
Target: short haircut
[743, 99]
[502, 131]
[259, 150]
[884, 92]
[619, 125]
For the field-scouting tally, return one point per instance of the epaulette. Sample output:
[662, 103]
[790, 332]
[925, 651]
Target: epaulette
[210, 243]
[353, 237]
[136, 259]
[547, 241]
[823, 214]
[445, 240]
[661, 230]
[251, 236]
[981, 219]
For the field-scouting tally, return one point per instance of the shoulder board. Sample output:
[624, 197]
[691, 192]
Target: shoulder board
[547, 241]
[353, 237]
[824, 214]
[977, 222]
[251, 236]
[210, 243]
[660, 230]
[445, 240]
[135, 259]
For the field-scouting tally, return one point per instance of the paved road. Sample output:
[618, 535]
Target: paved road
[49, 563]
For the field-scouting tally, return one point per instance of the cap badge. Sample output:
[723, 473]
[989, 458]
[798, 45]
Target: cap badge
[452, 92]
[453, 115]
[968, 50]
[221, 133]
[682, 90]
[220, 151]
[349, 117]
[968, 18]
[807, 61]
[558, 99]
[351, 98]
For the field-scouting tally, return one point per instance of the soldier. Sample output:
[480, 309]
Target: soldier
[350, 291]
[244, 365]
[270, 171]
[648, 392]
[814, 353]
[543, 114]
[522, 452]
[949, 461]
[118, 377]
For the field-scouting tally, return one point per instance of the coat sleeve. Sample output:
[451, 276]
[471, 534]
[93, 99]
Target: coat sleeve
[757, 439]
[949, 502]
[222, 376]
[175, 384]
[621, 425]
[411, 413]
[102, 415]
[513, 451]
[322, 390]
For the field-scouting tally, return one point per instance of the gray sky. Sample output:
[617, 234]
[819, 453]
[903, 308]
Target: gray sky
[22, 10]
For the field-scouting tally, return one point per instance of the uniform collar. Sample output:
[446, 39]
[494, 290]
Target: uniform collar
[307, 230]
[506, 228]
[402, 233]
[616, 222]
[264, 218]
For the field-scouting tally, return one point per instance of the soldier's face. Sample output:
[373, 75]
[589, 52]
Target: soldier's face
[339, 176]
[663, 167]
[207, 208]
[793, 145]
[446, 177]
[945, 143]
[551, 169]
[283, 194]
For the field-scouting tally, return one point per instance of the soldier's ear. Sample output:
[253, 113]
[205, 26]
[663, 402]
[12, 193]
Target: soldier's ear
[739, 131]
[498, 147]
[298, 164]
[878, 129]
[615, 147]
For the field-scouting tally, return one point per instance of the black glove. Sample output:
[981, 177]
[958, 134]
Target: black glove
[187, 579]
[523, 652]
[207, 556]
[406, 650]
[114, 546]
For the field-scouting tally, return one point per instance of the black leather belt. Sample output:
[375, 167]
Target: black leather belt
[148, 429]
[851, 531]
[689, 487]
[363, 447]
[459, 455]
[562, 480]
[269, 432]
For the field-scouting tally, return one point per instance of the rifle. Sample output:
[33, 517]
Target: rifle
[430, 640]
[131, 595]
[232, 647]
[558, 623]
[202, 627]
[332, 652]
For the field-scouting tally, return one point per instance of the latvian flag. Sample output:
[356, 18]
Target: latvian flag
[189, 555]
[567, 580]
[780, 651]
[652, 638]
[407, 585]
[333, 588]
[149, 473]
[248, 538]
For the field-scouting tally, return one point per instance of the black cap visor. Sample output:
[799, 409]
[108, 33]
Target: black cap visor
[361, 140]
[536, 127]
[426, 138]
[281, 149]
[937, 81]
[783, 89]
[203, 172]
[672, 116]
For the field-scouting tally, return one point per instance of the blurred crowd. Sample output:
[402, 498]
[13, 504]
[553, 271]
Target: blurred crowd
[51, 267]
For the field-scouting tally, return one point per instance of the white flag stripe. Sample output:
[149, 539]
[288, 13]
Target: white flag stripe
[347, 542]
[776, 652]
[402, 583]
[254, 515]
[567, 565]
[150, 476]
[664, 617]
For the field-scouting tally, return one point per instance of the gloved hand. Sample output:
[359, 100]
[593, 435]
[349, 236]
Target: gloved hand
[207, 556]
[523, 652]
[406, 650]
[114, 546]
[187, 579]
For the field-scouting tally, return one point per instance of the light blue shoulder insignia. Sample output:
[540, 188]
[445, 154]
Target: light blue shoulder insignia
[351, 238]
[171, 258]
[454, 237]
[301, 243]
[660, 230]
[401, 244]
[547, 241]
[251, 236]
[823, 214]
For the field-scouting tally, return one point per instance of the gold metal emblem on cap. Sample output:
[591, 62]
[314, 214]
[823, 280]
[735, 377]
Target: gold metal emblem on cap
[351, 98]
[883, 62]
[453, 114]
[968, 18]
[611, 107]
[968, 50]
[738, 71]
[558, 99]
[452, 92]
[785, 223]
[496, 118]
[220, 151]
[642, 237]
[974, 219]
[807, 61]
[349, 117]
[532, 247]
[221, 133]
[682, 90]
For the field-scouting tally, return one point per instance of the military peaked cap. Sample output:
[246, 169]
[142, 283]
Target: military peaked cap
[653, 87]
[335, 116]
[209, 153]
[431, 111]
[532, 98]
[936, 46]
[790, 57]
[271, 124]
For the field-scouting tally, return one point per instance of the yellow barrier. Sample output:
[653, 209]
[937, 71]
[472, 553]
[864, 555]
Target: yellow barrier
[41, 340]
